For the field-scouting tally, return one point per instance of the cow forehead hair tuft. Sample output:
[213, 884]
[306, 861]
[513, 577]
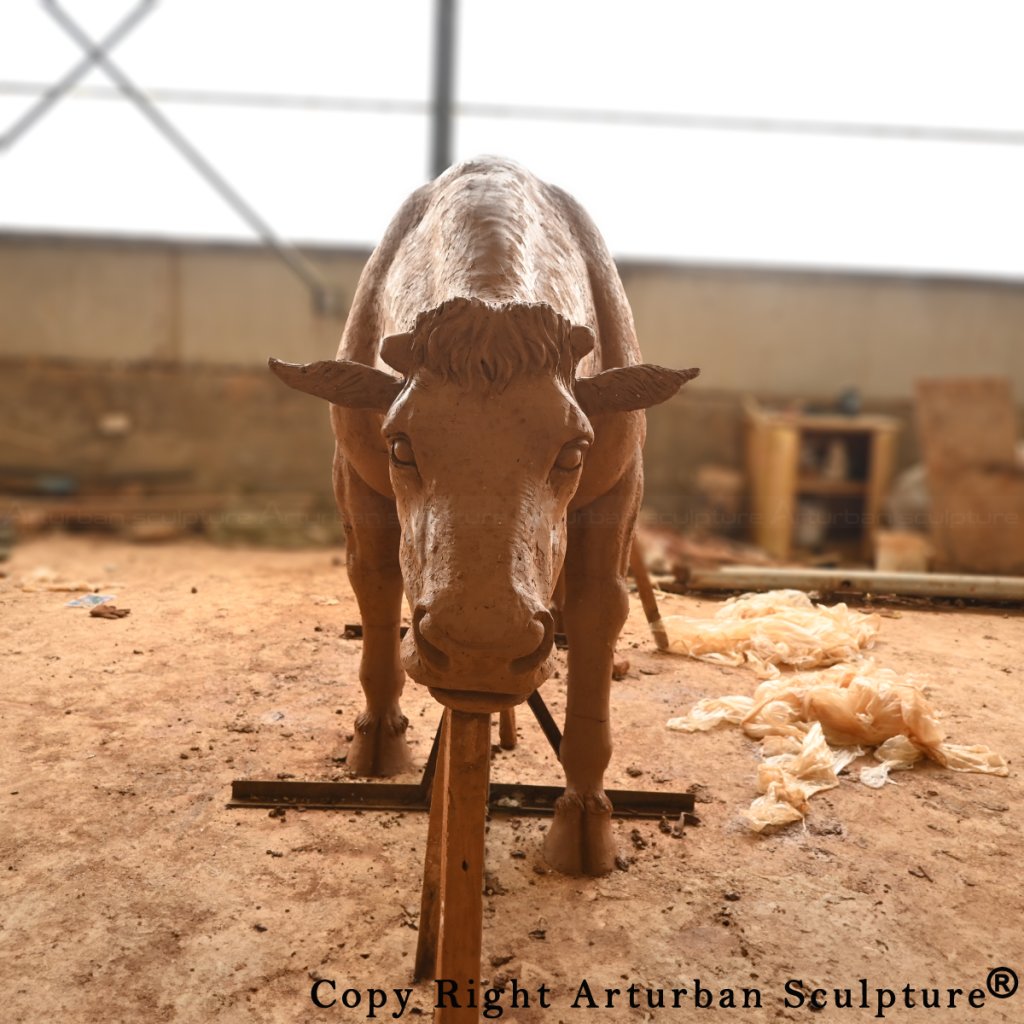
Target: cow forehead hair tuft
[475, 343]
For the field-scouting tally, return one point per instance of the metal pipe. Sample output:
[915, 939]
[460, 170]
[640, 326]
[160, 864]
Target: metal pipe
[231, 98]
[537, 112]
[860, 581]
[444, 88]
[547, 724]
[323, 296]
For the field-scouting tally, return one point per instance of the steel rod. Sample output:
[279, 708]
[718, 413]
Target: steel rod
[54, 93]
[322, 295]
[504, 798]
[527, 112]
[547, 724]
[444, 88]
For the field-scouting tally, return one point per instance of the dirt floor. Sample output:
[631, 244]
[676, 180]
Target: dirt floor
[130, 893]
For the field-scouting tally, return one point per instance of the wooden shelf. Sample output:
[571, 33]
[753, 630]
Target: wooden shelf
[786, 453]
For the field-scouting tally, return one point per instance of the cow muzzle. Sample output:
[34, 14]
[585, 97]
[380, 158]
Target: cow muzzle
[470, 671]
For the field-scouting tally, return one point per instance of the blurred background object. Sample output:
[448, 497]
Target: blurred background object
[968, 427]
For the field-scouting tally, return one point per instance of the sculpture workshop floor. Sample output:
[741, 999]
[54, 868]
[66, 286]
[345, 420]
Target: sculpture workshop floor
[131, 893]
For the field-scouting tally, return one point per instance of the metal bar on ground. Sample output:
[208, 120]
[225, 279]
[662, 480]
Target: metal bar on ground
[505, 797]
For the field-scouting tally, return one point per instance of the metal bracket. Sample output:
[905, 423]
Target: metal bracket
[74, 75]
[327, 300]
[503, 798]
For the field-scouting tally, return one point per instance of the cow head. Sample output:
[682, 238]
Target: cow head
[487, 434]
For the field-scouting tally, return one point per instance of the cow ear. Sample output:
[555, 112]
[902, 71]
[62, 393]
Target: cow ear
[627, 388]
[581, 342]
[341, 382]
[396, 351]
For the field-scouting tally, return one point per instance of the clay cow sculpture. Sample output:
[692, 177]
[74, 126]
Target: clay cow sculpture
[498, 476]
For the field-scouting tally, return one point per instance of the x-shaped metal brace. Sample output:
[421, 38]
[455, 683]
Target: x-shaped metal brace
[326, 299]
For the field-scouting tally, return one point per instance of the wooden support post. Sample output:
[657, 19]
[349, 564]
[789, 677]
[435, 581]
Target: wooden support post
[451, 912]
[430, 898]
[638, 567]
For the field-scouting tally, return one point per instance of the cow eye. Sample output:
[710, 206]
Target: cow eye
[402, 453]
[571, 456]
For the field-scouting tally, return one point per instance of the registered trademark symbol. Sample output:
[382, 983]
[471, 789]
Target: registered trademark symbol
[1001, 982]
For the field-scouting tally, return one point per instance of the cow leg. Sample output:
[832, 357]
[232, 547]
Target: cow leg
[372, 535]
[507, 729]
[580, 840]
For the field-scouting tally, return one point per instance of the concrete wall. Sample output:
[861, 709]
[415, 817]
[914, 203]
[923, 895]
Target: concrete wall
[798, 333]
[222, 431]
[786, 337]
[97, 299]
[766, 331]
[778, 335]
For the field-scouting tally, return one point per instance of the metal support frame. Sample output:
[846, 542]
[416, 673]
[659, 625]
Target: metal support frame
[503, 798]
[326, 299]
[441, 122]
[52, 96]
[456, 790]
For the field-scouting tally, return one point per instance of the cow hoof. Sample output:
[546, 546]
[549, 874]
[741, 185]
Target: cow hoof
[580, 840]
[378, 745]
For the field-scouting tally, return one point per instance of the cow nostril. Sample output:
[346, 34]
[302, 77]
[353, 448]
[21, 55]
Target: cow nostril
[432, 654]
[536, 657]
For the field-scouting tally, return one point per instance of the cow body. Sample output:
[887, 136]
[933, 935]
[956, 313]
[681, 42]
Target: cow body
[499, 479]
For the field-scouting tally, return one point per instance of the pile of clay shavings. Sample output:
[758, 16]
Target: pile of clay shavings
[814, 723]
[781, 627]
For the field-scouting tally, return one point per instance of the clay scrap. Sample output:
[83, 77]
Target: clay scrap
[781, 627]
[109, 611]
[44, 579]
[813, 724]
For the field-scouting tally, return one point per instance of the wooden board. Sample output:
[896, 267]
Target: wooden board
[966, 423]
[451, 910]
[968, 432]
